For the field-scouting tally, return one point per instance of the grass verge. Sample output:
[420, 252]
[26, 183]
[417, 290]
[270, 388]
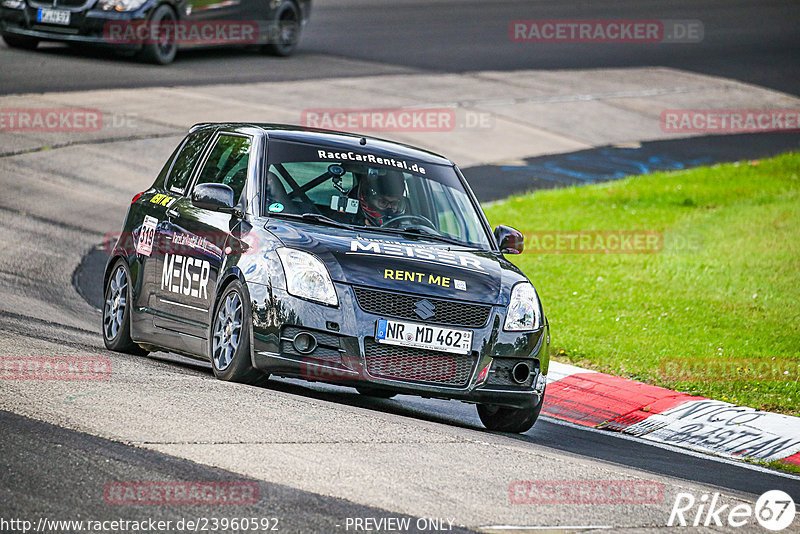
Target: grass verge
[715, 311]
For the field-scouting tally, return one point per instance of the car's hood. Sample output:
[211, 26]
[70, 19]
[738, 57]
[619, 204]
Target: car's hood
[397, 263]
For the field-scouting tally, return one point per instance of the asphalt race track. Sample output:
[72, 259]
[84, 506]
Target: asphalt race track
[320, 455]
[80, 465]
[405, 456]
[755, 42]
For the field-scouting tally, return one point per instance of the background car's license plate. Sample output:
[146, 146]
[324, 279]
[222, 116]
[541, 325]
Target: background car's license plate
[53, 16]
[423, 336]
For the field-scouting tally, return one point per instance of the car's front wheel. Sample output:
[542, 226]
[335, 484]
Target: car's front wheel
[163, 51]
[285, 34]
[21, 41]
[230, 339]
[117, 311]
[505, 419]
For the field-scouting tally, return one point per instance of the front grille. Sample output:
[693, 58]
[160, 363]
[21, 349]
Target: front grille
[327, 345]
[71, 5]
[402, 306]
[500, 373]
[55, 29]
[417, 365]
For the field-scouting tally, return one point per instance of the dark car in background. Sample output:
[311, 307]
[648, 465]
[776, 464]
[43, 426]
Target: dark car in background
[270, 249]
[156, 28]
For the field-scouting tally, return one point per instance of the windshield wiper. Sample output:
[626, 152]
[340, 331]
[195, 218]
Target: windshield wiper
[313, 217]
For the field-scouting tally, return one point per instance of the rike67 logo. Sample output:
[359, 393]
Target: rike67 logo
[774, 510]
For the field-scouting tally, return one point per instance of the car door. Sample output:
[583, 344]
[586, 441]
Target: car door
[222, 12]
[195, 241]
[166, 192]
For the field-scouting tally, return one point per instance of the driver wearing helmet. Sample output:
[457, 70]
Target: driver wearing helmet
[381, 196]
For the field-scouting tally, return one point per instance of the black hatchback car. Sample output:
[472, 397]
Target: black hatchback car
[155, 28]
[327, 256]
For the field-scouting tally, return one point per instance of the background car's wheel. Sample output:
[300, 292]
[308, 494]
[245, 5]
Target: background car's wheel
[162, 52]
[230, 339]
[21, 41]
[286, 33]
[117, 311]
[504, 419]
[375, 392]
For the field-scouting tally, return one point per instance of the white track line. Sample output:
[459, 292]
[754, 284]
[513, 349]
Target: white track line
[542, 527]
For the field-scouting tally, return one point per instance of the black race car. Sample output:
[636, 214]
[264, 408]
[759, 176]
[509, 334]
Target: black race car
[155, 28]
[271, 249]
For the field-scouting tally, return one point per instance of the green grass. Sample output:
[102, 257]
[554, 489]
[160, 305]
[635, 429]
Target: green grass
[715, 313]
[783, 466]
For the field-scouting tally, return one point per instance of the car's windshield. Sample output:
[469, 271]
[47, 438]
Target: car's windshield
[358, 188]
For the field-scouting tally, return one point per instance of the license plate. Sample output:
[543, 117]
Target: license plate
[422, 336]
[53, 16]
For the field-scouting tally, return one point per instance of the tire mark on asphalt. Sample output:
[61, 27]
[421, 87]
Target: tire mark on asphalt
[102, 141]
[76, 329]
[54, 222]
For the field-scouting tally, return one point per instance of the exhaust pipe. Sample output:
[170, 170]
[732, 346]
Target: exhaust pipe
[520, 373]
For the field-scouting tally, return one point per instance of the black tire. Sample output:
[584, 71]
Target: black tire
[285, 35]
[229, 342]
[22, 42]
[376, 392]
[505, 419]
[117, 304]
[161, 53]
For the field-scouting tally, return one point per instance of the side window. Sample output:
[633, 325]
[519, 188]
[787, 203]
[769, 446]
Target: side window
[186, 160]
[445, 212]
[227, 163]
[167, 166]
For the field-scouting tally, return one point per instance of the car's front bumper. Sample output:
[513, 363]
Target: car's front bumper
[345, 337]
[86, 25]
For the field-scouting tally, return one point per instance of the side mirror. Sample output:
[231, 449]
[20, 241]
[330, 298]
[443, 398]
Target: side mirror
[510, 240]
[214, 197]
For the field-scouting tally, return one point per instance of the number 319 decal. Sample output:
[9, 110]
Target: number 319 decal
[145, 244]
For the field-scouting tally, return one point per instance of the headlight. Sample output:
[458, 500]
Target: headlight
[523, 309]
[121, 5]
[307, 277]
[14, 4]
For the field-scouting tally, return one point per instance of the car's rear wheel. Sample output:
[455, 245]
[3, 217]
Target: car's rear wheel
[230, 339]
[505, 419]
[375, 392]
[117, 311]
[286, 33]
[163, 51]
[21, 41]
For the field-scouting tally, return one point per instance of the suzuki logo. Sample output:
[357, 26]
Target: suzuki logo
[425, 309]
